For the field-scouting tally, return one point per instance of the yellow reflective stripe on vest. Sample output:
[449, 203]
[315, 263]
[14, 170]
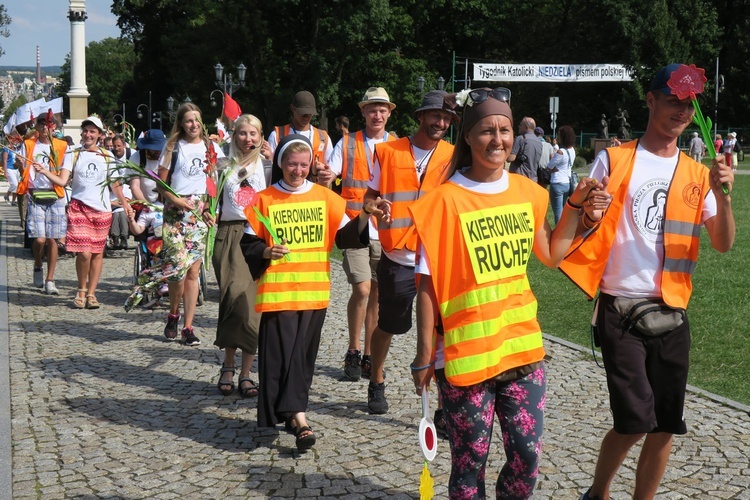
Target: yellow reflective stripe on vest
[491, 326]
[302, 257]
[296, 277]
[482, 296]
[291, 297]
[469, 364]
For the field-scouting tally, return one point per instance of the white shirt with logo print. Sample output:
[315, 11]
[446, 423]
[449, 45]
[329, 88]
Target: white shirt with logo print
[90, 171]
[635, 262]
[189, 176]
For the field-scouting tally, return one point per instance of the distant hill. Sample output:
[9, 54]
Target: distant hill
[46, 70]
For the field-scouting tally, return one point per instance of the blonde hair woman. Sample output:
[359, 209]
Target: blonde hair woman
[187, 156]
[237, 326]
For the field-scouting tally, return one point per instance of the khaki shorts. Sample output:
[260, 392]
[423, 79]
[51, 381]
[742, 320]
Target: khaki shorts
[360, 264]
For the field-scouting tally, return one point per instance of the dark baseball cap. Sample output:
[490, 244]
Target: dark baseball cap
[304, 103]
[679, 79]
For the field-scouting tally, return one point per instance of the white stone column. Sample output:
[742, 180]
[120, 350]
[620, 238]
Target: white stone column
[78, 94]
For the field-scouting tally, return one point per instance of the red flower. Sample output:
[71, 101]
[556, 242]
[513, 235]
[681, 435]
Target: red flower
[211, 187]
[210, 156]
[49, 119]
[687, 81]
[246, 197]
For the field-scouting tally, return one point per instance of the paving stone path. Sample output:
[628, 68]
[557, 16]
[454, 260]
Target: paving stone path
[102, 406]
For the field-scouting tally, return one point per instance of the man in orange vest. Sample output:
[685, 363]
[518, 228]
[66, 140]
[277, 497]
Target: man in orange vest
[404, 171]
[303, 108]
[46, 219]
[643, 250]
[353, 160]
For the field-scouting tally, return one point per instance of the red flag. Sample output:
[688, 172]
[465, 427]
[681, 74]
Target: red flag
[231, 108]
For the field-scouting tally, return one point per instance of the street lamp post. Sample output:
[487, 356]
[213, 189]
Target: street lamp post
[171, 111]
[213, 99]
[421, 81]
[226, 81]
[139, 113]
[122, 119]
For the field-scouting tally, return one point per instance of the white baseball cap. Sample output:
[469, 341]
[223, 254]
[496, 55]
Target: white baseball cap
[95, 121]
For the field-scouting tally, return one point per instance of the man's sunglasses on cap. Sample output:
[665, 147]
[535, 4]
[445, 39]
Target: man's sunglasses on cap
[499, 94]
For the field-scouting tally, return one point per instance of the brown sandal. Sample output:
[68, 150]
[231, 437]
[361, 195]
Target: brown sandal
[91, 302]
[80, 302]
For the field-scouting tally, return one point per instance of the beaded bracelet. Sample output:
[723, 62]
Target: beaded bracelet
[420, 368]
[571, 205]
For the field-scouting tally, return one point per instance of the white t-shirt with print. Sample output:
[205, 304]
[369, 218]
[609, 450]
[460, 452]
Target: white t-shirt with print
[634, 265]
[40, 155]
[90, 171]
[151, 221]
[189, 177]
[233, 196]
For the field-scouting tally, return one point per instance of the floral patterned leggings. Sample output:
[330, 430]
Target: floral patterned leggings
[469, 413]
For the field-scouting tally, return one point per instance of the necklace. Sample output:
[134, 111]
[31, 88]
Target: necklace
[422, 164]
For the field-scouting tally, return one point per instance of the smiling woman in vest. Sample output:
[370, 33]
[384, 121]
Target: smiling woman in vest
[90, 209]
[487, 355]
[294, 280]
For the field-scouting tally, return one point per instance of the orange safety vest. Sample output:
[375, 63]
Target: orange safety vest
[356, 169]
[400, 185]
[59, 147]
[485, 301]
[587, 259]
[319, 140]
[309, 222]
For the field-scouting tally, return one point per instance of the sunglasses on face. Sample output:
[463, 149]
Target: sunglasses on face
[499, 94]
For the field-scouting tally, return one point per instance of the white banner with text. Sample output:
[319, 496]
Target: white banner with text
[484, 72]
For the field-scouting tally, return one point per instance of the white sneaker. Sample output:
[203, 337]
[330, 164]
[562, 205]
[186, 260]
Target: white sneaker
[39, 278]
[50, 288]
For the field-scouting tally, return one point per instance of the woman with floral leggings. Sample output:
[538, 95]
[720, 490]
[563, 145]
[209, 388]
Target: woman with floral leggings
[476, 313]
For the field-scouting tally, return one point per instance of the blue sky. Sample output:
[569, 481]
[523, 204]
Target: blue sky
[45, 23]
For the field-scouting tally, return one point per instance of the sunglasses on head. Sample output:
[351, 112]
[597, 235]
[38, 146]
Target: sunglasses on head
[499, 94]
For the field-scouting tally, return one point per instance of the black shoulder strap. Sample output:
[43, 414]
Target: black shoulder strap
[173, 163]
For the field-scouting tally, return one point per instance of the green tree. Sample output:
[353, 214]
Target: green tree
[14, 104]
[4, 23]
[337, 49]
[109, 71]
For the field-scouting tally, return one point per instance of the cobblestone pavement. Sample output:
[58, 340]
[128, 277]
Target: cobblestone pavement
[103, 406]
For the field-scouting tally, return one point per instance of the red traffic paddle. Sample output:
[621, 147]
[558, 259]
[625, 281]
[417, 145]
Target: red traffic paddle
[428, 443]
